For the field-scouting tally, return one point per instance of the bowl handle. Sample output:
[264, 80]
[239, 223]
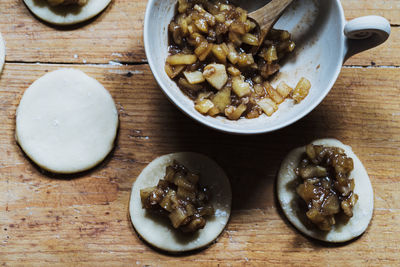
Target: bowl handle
[365, 33]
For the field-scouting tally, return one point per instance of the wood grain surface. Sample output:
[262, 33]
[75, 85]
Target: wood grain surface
[82, 220]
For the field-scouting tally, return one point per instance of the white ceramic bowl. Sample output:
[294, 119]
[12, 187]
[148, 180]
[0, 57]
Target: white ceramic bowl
[324, 41]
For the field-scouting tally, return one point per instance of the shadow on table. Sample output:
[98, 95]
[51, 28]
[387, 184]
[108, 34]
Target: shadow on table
[70, 176]
[251, 162]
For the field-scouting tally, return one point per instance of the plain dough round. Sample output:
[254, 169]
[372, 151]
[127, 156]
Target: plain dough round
[66, 122]
[288, 198]
[158, 231]
[66, 15]
[2, 53]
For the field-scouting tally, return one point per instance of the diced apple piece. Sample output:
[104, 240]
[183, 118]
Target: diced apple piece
[183, 5]
[254, 113]
[195, 39]
[250, 25]
[173, 71]
[234, 37]
[250, 39]
[234, 71]
[203, 50]
[216, 75]
[283, 89]
[272, 54]
[204, 106]
[302, 89]
[267, 105]
[206, 53]
[237, 28]
[214, 111]
[240, 87]
[222, 99]
[234, 113]
[285, 35]
[220, 52]
[233, 55]
[192, 28]
[291, 46]
[192, 87]
[245, 60]
[273, 94]
[257, 79]
[200, 9]
[210, 18]
[259, 91]
[202, 25]
[269, 69]
[194, 77]
[181, 59]
[224, 7]
[243, 14]
[184, 26]
[203, 95]
[220, 18]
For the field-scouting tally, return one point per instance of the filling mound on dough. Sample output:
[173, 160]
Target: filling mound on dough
[326, 186]
[180, 197]
[67, 2]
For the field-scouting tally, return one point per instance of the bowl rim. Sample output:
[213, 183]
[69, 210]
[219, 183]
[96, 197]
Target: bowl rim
[188, 111]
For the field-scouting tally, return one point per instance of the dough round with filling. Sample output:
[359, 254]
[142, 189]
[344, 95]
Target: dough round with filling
[2, 53]
[290, 200]
[66, 122]
[157, 230]
[66, 14]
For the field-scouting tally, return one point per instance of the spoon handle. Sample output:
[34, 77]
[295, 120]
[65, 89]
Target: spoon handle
[270, 13]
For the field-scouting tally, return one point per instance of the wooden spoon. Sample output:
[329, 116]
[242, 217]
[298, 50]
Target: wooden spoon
[268, 15]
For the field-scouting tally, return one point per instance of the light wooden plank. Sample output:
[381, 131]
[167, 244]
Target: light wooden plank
[84, 221]
[116, 34]
[358, 8]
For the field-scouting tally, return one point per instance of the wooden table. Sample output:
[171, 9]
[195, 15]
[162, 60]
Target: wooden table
[83, 221]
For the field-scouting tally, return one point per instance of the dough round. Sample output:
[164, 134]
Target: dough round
[2, 53]
[157, 230]
[66, 15]
[289, 200]
[66, 122]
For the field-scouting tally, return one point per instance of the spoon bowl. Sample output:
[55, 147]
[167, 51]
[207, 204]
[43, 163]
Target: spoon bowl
[267, 15]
